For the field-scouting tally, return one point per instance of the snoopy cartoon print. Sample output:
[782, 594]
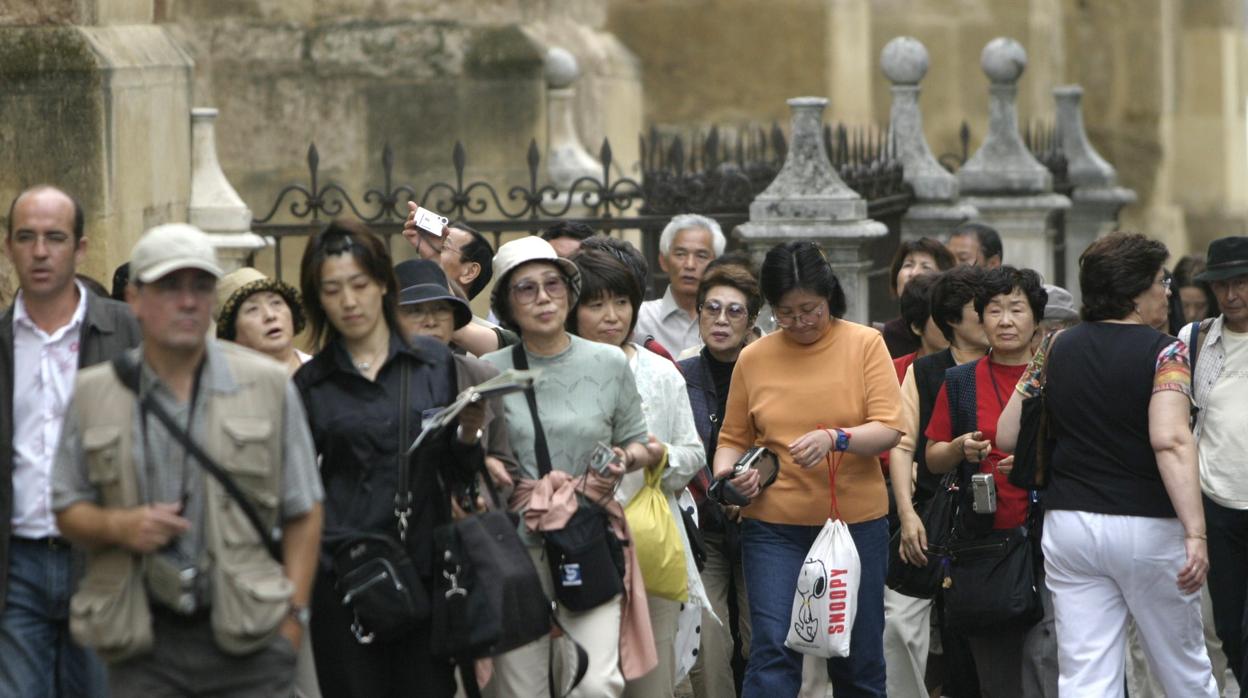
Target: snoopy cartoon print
[812, 584]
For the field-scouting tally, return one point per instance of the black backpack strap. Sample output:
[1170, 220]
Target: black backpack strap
[520, 361]
[1193, 350]
[126, 365]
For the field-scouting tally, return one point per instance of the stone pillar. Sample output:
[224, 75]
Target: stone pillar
[99, 111]
[808, 201]
[936, 210]
[215, 207]
[566, 159]
[1011, 189]
[1096, 198]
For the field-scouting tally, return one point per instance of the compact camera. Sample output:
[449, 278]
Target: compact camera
[601, 458]
[429, 221]
[173, 582]
[984, 493]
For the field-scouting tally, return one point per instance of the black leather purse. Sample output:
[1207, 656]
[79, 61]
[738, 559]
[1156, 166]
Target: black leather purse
[992, 583]
[924, 581]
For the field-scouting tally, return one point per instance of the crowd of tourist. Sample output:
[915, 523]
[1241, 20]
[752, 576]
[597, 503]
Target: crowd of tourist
[240, 511]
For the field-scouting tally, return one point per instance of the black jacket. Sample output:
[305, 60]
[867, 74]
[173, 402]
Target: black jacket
[107, 330]
[355, 427]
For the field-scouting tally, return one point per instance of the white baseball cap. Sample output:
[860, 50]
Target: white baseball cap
[167, 248]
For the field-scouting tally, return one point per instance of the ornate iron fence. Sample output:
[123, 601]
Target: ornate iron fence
[716, 174]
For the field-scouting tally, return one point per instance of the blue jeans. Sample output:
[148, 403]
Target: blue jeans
[773, 555]
[38, 658]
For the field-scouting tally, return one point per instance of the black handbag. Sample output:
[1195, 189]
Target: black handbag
[1033, 451]
[992, 583]
[374, 572]
[489, 597]
[586, 558]
[923, 581]
[381, 586]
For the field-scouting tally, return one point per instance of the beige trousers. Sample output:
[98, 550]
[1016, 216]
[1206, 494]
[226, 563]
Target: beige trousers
[661, 682]
[523, 672]
[907, 642]
[711, 676]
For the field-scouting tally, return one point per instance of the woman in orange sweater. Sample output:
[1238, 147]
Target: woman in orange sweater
[822, 395]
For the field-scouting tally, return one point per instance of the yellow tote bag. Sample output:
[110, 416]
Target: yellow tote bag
[659, 549]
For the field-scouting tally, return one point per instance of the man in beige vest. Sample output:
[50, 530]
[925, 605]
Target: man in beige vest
[181, 595]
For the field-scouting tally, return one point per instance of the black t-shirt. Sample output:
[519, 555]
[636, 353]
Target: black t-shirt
[1099, 384]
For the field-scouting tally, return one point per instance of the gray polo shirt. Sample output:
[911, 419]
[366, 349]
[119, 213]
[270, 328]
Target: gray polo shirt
[166, 473]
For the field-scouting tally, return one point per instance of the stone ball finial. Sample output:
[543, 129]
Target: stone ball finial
[1003, 60]
[904, 60]
[561, 68]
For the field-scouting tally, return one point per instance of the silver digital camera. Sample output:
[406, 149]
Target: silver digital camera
[173, 582]
[601, 458]
[429, 221]
[984, 493]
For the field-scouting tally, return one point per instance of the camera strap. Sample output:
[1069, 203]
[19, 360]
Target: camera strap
[521, 361]
[403, 495]
[127, 366]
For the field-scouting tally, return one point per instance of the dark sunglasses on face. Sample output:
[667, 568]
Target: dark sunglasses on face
[734, 311]
[525, 292]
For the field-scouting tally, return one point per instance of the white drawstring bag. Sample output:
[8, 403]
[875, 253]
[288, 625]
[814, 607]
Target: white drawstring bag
[826, 600]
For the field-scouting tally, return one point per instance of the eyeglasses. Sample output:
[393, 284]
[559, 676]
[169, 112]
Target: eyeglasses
[785, 318]
[525, 292]
[735, 311]
[1167, 282]
[420, 311]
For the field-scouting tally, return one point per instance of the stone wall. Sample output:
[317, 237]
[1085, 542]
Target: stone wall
[103, 112]
[1165, 83]
[352, 76]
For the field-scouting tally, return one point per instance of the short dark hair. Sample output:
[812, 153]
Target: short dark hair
[938, 252]
[916, 302]
[121, 279]
[1003, 280]
[80, 222]
[481, 252]
[1116, 269]
[344, 236]
[989, 238]
[568, 229]
[950, 293]
[800, 264]
[602, 274]
[735, 258]
[733, 276]
[624, 251]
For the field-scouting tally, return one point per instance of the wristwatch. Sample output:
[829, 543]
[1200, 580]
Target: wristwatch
[301, 614]
[842, 440]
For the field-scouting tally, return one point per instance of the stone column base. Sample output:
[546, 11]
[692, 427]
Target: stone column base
[935, 219]
[1025, 225]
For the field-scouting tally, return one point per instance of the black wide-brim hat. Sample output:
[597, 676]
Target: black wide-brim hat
[423, 281]
[1227, 259]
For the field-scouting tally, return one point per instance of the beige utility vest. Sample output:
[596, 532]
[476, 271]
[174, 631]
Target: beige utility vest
[110, 611]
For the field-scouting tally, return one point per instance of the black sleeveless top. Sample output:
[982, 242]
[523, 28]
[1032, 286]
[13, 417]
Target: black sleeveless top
[1099, 386]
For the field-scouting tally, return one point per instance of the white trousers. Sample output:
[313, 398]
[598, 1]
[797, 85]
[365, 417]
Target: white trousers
[907, 642]
[1102, 568]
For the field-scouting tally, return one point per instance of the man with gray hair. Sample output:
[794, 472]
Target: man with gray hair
[687, 245]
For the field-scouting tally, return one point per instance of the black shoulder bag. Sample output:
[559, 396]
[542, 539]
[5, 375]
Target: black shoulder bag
[924, 581]
[373, 571]
[126, 366]
[586, 558]
[488, 597]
